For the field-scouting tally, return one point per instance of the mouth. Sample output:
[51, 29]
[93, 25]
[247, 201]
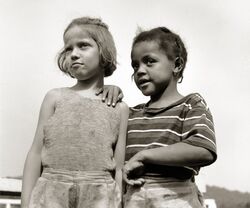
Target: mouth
[143, 82]
[76, 64]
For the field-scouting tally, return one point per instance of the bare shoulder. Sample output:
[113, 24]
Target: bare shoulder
[51, 98]
[53, 94]
[124, 110]
[123, 106]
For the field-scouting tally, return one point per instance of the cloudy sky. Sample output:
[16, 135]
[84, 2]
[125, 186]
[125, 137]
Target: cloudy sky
[217, 37]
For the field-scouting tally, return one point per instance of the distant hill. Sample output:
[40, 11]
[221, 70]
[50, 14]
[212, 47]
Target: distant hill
[228, 199]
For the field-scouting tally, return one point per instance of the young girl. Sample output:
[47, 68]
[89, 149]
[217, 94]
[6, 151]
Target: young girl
[79, 141]
[170, 137]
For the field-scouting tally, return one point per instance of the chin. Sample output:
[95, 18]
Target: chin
[146, 93]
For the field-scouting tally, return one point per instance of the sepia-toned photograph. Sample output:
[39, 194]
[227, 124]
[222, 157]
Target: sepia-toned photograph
[124, 104]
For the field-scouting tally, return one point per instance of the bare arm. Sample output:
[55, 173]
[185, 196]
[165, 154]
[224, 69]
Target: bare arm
[121, 144]
[179, 154]
[32, 167]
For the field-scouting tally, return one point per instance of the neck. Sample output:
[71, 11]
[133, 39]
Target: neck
[88, 87]
[167, 97]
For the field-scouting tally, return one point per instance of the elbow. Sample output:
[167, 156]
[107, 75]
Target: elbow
[206, 157]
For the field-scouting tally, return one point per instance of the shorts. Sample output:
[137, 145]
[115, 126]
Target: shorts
[75, 189]
[162, 193]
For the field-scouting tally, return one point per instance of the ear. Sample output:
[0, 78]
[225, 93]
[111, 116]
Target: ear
[179, 63]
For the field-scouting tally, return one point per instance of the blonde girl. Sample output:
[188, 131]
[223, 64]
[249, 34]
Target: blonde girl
[79, 143]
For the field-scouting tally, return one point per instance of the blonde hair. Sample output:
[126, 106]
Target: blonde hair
[100, 33]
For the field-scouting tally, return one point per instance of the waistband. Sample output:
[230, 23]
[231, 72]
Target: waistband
[77, 176]
[178, 173]
[172, 182]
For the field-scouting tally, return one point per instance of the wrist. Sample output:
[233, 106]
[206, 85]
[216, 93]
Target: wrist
[140, 156]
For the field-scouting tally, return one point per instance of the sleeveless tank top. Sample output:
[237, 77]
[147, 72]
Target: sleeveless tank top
[81, 134]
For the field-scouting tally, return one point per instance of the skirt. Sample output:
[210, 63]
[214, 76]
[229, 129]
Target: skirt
[75, 189]
[163, 193]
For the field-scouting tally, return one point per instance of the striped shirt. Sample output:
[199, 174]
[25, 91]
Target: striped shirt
[188, 120]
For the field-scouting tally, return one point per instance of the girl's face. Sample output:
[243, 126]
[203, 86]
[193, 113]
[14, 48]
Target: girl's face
[82, 54]
[153, 71]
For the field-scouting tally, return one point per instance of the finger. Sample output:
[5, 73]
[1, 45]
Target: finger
[110, 96]
[125, 178]
[120, 97]
[135, 183]
[141, 180]
[138, 182]
[99, 91]
[115, 97]
[131, 182]
[104, 94]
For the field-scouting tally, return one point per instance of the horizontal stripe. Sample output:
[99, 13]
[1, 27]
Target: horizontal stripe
[139, 138]
[190, 122]
[146, 145]
[171, 117]
[167, 130]
[210, 140]
[198, 117]
[155, 124]
[142, 126]
[189, 126]
[156, 117]
[147, 131]
[156, 130]
[206, 126]
[186, 105]
[161, 144]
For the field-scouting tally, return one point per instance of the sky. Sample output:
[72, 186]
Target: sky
[217, 37]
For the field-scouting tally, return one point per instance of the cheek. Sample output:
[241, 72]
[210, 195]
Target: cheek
[94, 58]
[66, 63]
[136, 83]
[135, 78]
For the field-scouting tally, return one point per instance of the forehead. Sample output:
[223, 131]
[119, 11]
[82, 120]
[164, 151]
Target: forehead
[75, 33]
[145, 48]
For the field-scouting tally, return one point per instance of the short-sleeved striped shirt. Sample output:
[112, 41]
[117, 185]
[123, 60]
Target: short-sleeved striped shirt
[188, 120]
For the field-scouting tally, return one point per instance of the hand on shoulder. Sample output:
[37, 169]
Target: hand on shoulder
[111, 94]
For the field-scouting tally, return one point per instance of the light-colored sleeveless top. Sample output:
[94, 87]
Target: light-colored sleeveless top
[81, 134]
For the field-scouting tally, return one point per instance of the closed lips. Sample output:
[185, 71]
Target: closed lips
[75, 64]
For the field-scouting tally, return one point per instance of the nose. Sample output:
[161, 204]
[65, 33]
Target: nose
[141, 70]
[74, 54]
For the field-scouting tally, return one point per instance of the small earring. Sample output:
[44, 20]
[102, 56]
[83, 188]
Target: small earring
[175, 73]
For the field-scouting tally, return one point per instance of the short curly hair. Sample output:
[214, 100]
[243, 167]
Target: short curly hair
[168, 41]
[100, 33]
